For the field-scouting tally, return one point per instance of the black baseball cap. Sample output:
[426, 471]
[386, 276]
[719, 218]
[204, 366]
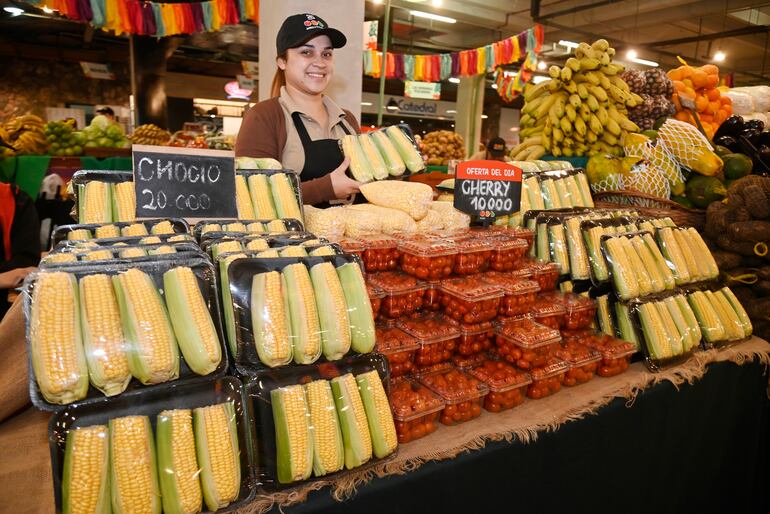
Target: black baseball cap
[299, 28]
[496, 146]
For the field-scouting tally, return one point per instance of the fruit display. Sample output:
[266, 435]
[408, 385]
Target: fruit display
[519, 293]
[656, 90]
[525, 343]
[150, 134]
[63, 139]
[667, 327]
[462, 394]
[473, 256]
[720, 316]
[583, 362]
[105, 202]
[219, 141]
[188, 139]
[506, 384]
[548, 312]
[416, 409]
[105, 133]
[441, 146]
[680, 247]
[398, 347]
[403, 294]
[469, 301]
[615, 353]
[581, 110]
[380, 154]
[555, 190]
[636, 266]
[428, 259]
[747, 144]
[26, 134]
[547, 380]
[699, 86]
[380, 253]
[437, 339]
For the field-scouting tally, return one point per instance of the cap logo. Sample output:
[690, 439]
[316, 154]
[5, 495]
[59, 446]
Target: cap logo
[312, 23]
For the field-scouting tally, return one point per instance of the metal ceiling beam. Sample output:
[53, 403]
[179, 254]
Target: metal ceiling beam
[571, 10]
[745, 31]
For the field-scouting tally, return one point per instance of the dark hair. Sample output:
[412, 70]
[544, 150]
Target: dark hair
[106, 110]
[279, 79]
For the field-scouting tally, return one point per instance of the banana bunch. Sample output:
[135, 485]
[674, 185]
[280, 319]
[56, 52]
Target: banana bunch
[150, 134]
[581, 110]
[26, 134]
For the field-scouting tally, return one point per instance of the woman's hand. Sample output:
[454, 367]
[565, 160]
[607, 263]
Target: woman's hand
[343, 185]
[14, 278]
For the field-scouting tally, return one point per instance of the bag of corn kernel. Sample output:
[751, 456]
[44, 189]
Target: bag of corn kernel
[412, 198]
[391, 220]
[328, 223]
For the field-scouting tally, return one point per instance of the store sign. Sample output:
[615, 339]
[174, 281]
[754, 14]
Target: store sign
[187, 183]
[370, 34]
[428, 90]
[487, 188]
[97, 70]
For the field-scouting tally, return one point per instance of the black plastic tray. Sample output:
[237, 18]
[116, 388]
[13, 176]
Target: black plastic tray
[151, 403]
[292, 225]
[111, 176]
[60, 233]
[129, 240]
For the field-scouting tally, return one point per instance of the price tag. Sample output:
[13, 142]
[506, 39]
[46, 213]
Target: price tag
[487, 188]
[188, 183]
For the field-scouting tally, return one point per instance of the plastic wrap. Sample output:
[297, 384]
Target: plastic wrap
[547, 380]
[548, 311]
[470, 301]
[473, 256]
[462, 394]
[391, 220]
[604, 315]
[416, 409]
[615, 354]
[507, 385]
[262, 227]
[328, 223]
[412, 198]
[78, 231]
[451, 217]
[276, 183]
[519, 293]
[436, 338]
[404, 294]
[583, 362]
[398, 347]
[526, 343]
[379, 252]
[428, 258]
[117, 325]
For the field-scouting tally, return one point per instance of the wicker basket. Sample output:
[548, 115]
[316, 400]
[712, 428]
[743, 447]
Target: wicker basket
[649, 205]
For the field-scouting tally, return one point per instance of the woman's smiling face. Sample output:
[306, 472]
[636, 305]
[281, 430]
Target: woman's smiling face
[309, 67]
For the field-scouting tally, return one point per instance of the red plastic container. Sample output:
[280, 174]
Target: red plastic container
[465, 363]
[428, 259]
[583, 362]
[580, 310]
[475, 339]
[546, 275]
[352, 246]
[615, 353]
[507, 385]
[432, 297]
[398, 347]
[469, 300]
[525, 343]
[403, 294]
[547, 380]
[548, 313]
[462, 394]
[380, 253]
[473, 256]
[507, 253]
[519, 293]
[416, 409]
[435, 336]
[375, 298]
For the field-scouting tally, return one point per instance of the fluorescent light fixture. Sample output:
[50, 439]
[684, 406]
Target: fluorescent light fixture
[392, 107]
[537, 79]
[366, 104]
[719, 56]
[645, 62]
[541, 65]
[451, 111]
[14, 11]
[377, 1]
[431, 16]
[494, 85]
[454, 80]
[631, 54]
[436, 3]
[568, 44]
[484, 116]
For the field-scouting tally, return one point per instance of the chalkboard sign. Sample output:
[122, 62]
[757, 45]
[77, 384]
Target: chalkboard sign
[184, 182]
[487, 188]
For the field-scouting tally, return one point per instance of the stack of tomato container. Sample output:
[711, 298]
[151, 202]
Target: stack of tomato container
[467, 322]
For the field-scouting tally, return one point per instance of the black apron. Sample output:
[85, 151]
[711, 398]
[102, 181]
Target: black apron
[322, 156]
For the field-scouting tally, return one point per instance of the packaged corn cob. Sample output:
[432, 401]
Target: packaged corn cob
[104, 196]
[73, 245]
[274, 194]
[243, 226]
[87, 231]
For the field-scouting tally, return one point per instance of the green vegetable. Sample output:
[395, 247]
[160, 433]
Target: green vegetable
[702, 190]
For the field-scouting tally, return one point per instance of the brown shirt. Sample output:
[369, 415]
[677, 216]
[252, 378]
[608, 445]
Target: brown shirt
[268, 131]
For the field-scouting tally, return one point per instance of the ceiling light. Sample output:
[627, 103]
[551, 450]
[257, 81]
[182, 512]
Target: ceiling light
[366, 104]
[454, 80]
[537, 79]
[14, 11]
[377, 1]
[568, 44]
[437, 3]
[484, 116]
[494, 86]
[514, 129]
[719, 56]
[631, 54]
[431, 16]
[645, 62]
[541, 65]
[451, 111]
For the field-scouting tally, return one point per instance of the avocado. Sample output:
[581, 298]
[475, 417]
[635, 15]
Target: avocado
[721, 151]
[659, 122]
[652, 134]
[702, 190]
[683, 200]
[737, 165]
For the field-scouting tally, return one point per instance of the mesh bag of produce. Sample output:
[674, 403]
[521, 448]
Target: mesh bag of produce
[431, 222]
[656, 155]
[328, 223]
[451, 217]
[412, 198]
[688, 147]
[361, 223]
[646, 178]
[613, 182]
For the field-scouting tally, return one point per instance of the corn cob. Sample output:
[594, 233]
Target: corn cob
[255, 228]
[543, 253]
[362, 336]
[574, 191]
[726, 315]
[58, 358]
[604, 316]
[211, 227]
[623, 274]
[378, 414]
[405, 148]
[625, 327]
[179, 238]
[657, 283]
[660, 262]
[655, 335]
[332, 311]
[99, 255]
[534, 193]
[328, 449]
[275, 226]
[708, 319]
[96, 203]
[103, 340]
[133, 472]
[162, 250]
[563, 193]
[135, 229]
[323, 251]
[303, 315]
[697, 271]
[360, 168]
[739, 311]
[372, 155]
[59, 258]
[257, 245]
[647, 226]
[558, 244]
[79, 234]
[216, 442]
[227, 300]
[687, 336]
[235, 227]
[576, 249]
[195, 331]
[353, 422]
[673, 254]
[311, 242]
[261, 197]
[592, 238]
[223, 247]
[636, 267]
[292, 251]
[243, 199]
[153, 357]
[702, 253]
[105, 231]
[270, 319]
[585, 189]
[163, 227]
[393, 162]
[293, 435]
[689, 317]
[676, 339]
[551, 197]
[177, 464]
[286, 204]
[151, 240]
[123, 201]
[85, 479]
[272, 253]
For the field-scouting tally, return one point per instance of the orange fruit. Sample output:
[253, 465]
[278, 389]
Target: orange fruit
[706, 118]
[686, 71]
[687, 82]
[713, 81]
[699, 79]
[713, 94]
[683, 116]
[728, 108]
[725, 100]
[675, 74]
[720, 116]
[675, 99]
[710, 69]
[701, 103]
[714, 107]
